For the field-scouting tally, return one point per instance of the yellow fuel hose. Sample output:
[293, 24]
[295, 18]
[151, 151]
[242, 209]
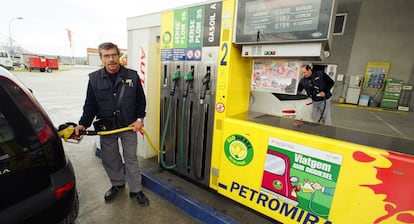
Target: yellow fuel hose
[150, 141]
[119, 130]
[67, 134]
[115, 131]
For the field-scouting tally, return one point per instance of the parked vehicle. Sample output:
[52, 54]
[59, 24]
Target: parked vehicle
[290, 106]
[37, 179]
[17, 61]
[43, 64]
[5, 60]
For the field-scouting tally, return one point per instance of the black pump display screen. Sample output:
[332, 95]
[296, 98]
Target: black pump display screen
[278, 21]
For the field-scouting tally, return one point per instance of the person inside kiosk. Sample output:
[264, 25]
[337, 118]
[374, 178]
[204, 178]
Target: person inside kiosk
[318, 86]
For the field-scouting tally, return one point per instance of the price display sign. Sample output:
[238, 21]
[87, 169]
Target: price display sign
[278, 21]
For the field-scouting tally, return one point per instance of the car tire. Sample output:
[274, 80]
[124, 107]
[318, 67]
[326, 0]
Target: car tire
[70, 219]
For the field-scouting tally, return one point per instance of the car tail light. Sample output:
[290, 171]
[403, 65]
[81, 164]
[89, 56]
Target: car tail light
[43, 131]
[64, 189]
[289, 114]
[289, 111]
[32, 111]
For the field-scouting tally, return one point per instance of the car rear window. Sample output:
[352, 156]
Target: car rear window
[6, 132]
[30, 149]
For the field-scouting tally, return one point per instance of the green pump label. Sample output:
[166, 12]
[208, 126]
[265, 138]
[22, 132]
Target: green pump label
[238, 150]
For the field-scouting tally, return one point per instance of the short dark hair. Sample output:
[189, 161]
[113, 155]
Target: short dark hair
[307, 67]
[107, 46]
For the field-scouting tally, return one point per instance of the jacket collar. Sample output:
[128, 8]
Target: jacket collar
[122, 74]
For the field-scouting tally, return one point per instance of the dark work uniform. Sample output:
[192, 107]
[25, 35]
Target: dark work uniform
[101, 102]
[316, 83]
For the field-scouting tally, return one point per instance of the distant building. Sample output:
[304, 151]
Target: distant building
[92, 57]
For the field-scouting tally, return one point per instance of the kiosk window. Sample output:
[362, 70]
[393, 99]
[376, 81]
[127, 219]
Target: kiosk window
[340, 21]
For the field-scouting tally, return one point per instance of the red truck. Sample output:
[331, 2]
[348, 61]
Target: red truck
[43, 64]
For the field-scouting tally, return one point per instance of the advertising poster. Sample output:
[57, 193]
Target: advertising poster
[376, 75]
[291, 178]
[301, 176]
[276, 76]
[331, 71]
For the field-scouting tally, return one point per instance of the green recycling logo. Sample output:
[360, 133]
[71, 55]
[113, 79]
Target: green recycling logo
[166, 38]
[238, 150]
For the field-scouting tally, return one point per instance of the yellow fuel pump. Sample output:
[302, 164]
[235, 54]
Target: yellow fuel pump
[306, 174]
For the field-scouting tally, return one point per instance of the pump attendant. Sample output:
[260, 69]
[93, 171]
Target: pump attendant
[318, 86]
[115, 95]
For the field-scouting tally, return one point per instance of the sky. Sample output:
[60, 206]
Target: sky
[43, 29]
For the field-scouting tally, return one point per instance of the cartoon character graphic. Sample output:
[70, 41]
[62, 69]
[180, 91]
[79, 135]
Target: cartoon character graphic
[312, 199]
[325, 190]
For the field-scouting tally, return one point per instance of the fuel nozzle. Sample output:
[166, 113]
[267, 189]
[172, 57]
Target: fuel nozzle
[188, 78]
[175, 78]
[206, 85]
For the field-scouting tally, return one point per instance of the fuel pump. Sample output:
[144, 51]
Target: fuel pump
[227, 146]
[175, 78]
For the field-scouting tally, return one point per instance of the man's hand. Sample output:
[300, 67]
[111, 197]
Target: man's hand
[79, 128]
[138, 125]
[321, 94]
[76, 135]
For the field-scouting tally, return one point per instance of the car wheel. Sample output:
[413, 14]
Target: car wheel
[70, 219]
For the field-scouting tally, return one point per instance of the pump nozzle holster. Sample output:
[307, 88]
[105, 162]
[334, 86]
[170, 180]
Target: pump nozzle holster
[206, 86]
[175, 78]
[188, 78]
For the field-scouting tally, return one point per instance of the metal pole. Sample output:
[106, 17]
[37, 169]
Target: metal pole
[10, 36]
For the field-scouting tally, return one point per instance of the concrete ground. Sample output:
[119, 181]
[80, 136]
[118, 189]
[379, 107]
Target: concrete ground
[373, 119]
[62, 94]
[92, 184]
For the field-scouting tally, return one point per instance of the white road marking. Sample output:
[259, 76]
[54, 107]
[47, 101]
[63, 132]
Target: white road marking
[389, 125]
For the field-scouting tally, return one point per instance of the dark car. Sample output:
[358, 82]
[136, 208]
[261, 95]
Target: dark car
[37, 181]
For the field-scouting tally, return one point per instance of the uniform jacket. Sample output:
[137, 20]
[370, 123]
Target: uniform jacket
[102, 97]
[316, 83]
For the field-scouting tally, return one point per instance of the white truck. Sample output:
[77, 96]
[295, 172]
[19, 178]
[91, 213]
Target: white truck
[5, 60]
